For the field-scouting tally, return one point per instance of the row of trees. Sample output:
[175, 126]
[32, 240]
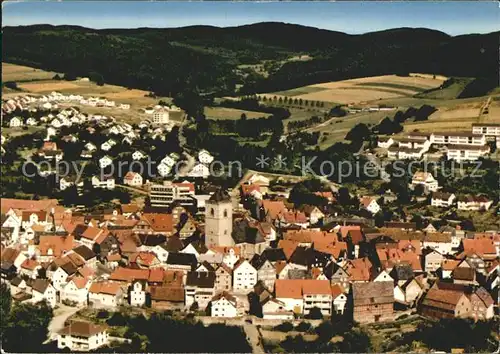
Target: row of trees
[292, 101]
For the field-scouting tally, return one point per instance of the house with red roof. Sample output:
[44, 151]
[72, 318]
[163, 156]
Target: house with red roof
[106, 294]
[302, 295]
[76, 290]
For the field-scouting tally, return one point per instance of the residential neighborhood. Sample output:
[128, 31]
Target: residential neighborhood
[250, 177]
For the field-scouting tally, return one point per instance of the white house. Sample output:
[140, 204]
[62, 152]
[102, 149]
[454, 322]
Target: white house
[133, 179]
[81, 336]
[90, 147]
[16, 122]
[76, 290]
[163, 169]
[471, 202]
[170, 160]
[244, 277]
[42, 290]
[224, 305]
[137, 295]
[370, 204]
[31, 121]
[440, 242]
[426, 179]
[273, 309]
[442, 200]
[103, 182]
[302, 295]
[105, 161]
[432, 261]
[107, 145]
[105, 294]
[199, 170]
[138, 155]
[205, 157]
[339, 299]
[385, 142]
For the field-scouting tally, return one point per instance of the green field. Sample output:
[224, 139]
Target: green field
[231, 113]
[449, 92]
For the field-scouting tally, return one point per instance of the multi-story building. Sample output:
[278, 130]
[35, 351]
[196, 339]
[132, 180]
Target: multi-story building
[425, 179]
[160, 116]
[163, 195]
[373, 301]
[466, 152]
[457, 138]
[488, 129]
[104, 182]
[302, 295]
[82, 336]
[244, 276]
[224, 305]
[442, 200]
[199, 289]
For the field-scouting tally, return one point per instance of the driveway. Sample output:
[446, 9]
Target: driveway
[61, 314]
[253, 338]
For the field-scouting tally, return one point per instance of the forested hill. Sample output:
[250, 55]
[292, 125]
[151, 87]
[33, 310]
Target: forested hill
[205, 57]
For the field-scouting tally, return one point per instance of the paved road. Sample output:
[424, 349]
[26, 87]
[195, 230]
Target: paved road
[253, 338]
[60, 316]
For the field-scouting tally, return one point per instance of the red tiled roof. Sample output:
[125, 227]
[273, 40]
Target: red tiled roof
[29, 264]
[8, 203]
[108, 288]
[58, 244]
[297, 288]
[159, 222]
[337, 289]
[274, 207]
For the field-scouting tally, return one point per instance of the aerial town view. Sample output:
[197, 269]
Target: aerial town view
[250, 177]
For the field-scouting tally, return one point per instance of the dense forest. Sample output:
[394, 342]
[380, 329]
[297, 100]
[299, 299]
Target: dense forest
[168, 61]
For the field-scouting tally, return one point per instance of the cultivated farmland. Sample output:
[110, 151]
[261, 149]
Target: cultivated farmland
[363, 90]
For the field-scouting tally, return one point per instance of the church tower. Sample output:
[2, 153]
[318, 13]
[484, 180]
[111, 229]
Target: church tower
[219, 220]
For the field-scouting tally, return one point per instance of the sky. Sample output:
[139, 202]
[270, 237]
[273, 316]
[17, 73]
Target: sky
[452, 17]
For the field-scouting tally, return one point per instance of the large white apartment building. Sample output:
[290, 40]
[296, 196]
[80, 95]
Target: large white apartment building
[161, 116]
[489, 129]
[163, 195]
[458, 138]
[466, 152]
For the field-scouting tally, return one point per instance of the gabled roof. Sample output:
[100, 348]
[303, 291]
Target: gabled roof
[40, 285]
[204, 280]
[164, 293]
[185, 259]
[84, 252]
[82, 329]
[107, 288]
[373, 293]
[297, 288]
[225, 295]
[446, 299]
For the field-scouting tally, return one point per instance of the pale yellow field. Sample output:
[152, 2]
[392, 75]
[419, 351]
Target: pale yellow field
[47, 86]
[133, 93]
[364, 90]
[13, 72]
